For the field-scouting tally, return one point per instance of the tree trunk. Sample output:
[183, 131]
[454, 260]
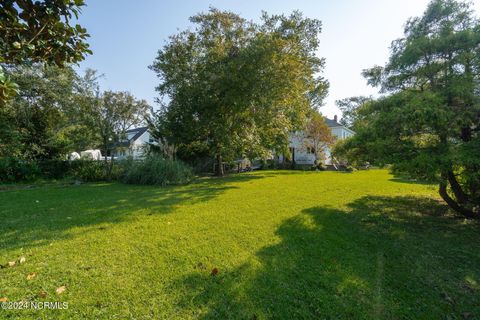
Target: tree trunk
[110, 168]
[105, 157]
[456, 188]
[219, 169]
[452, 203]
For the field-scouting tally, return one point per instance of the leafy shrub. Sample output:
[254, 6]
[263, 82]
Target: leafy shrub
[54, 169]
[155, 170]
[15, 170]
[201, 165]
[271, 164]
[266, 164]
[88, 170]
[302, 167]
[319, 166]
[93, 171]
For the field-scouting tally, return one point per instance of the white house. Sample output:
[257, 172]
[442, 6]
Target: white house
[137, 139]
[134, 144]
[306, 156]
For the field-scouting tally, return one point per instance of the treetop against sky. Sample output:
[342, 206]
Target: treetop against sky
[125, 37]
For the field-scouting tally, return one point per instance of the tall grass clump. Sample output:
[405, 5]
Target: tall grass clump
[155, 170]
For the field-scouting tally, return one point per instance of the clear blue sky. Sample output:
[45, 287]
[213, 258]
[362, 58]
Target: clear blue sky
[126, 35]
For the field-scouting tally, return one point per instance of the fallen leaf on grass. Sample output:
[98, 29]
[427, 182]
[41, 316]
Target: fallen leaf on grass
[4, 299]
[61, 289]
[11, 263]
[42, 294]
[214, 271]
[22, 260]
[32, 275]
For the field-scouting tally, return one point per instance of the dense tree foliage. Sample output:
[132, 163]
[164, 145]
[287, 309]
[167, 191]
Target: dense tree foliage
[44, 119]
[115, 113]
[39, 31]
[108, 114]
[350, 110]
[428, 123]
[235, 88]
[56, 112]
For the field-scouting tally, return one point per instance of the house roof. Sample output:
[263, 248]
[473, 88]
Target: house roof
[332, 123]
[138, 132]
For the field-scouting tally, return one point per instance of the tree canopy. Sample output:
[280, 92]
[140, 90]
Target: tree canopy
[42, 120]
[427, 123]
[238, 88]
[39, 31]
[56, 112]
[350, 110]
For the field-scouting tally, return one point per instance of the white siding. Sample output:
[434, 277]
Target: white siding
[302, 155]
[137, 147]
[137, 150]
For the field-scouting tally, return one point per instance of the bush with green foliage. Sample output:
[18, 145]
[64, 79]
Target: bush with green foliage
[17, 170]
[319, 166]
[54, 168]
[155, 170]
[88, 170]
[14, 170]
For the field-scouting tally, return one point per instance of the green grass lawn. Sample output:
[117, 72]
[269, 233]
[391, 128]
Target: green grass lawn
[286, 245]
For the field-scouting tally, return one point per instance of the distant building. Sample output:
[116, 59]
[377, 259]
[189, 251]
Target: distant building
[306, 156]
[134, 145]
[137, 140]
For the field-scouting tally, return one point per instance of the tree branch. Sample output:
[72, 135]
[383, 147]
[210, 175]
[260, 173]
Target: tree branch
[461, 196]
[453, 204]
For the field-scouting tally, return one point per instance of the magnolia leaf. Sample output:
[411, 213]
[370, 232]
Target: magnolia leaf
[61, 289]
[32, 275]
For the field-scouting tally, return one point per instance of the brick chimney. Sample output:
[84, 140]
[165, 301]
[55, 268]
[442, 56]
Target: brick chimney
[335, 118]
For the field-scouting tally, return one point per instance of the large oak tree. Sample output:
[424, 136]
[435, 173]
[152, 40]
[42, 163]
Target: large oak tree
[236, 87]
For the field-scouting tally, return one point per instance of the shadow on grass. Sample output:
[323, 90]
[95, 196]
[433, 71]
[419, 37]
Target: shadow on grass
[383, 257]
[38, 216]
[401, 178]
[411, 181]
